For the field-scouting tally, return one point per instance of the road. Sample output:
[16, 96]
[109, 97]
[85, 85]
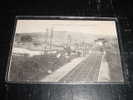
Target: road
[18, 50]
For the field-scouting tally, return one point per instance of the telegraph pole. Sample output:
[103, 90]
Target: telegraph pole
[46, 41]
[69, 39]
[51, 38]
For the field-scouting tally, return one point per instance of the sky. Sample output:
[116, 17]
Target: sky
[104, 28]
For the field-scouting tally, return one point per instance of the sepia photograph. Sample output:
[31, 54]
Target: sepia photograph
[65, 51]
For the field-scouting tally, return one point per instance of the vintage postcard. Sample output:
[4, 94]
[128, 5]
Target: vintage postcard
[65, 51]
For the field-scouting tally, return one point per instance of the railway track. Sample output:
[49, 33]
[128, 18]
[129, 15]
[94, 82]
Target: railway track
[86, 71]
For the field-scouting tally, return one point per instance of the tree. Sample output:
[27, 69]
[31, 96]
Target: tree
[26, 38]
